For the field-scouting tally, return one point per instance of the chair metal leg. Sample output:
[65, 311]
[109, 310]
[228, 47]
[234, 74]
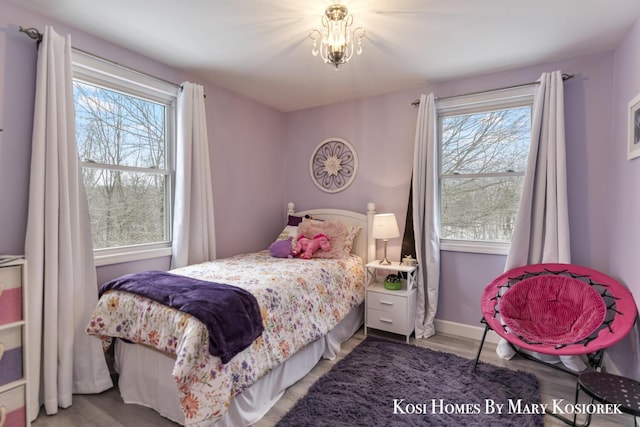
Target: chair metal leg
[484, 335]
[575, 416]
[569, 421]
[572, 422]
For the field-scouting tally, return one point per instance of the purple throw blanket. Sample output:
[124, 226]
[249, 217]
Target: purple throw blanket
[231, 314]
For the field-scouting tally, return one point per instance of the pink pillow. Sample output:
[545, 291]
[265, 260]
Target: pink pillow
[352, 233]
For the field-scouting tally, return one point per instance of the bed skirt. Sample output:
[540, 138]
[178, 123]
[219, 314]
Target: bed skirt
[145, 376]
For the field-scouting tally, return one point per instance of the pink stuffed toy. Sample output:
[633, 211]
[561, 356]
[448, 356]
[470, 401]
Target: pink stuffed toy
[305, 247]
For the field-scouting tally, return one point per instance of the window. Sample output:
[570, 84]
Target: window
[125, 136]
[484, 144]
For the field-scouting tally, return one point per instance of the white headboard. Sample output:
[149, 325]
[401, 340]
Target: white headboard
[364, 246]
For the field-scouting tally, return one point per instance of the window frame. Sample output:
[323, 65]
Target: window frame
[100, 72]
[500, 99]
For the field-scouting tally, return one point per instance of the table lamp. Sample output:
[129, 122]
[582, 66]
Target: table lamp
[385, 227]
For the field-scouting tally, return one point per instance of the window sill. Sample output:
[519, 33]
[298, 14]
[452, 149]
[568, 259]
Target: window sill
[130, 255]
[491, 248]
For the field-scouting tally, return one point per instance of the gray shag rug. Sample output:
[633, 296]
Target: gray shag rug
[388, 383]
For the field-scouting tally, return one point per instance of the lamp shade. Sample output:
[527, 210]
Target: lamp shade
[385, 226]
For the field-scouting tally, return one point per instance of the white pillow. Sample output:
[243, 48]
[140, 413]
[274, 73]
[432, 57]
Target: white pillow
[289, 232]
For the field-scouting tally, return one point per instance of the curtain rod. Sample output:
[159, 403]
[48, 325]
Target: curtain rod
[565, 77]
[37, 36]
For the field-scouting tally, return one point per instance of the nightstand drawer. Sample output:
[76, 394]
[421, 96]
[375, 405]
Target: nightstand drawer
[11, 368]
[390, 321]
[10, 294]
[386, 302]
[12, 408]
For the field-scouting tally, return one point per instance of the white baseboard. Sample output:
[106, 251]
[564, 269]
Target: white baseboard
[465, 331]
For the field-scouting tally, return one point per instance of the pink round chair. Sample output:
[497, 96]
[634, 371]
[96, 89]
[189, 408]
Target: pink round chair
[558, 309]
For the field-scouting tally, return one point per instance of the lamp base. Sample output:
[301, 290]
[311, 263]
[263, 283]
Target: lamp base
[384, 260]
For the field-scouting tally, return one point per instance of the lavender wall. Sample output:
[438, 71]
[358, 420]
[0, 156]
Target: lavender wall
[624, 196]
[382, 130]
[17, 59]
[246, 140]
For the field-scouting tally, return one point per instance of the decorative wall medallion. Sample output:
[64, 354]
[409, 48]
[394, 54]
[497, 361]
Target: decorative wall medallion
[333, 165]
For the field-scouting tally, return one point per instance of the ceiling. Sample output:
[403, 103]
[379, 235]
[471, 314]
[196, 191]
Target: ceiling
[261, 49]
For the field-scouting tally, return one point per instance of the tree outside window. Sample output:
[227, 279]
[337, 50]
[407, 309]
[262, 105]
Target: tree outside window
[122, 145]
[483, 158]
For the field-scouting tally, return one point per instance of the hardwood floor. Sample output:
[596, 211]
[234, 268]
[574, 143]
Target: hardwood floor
[107, 409]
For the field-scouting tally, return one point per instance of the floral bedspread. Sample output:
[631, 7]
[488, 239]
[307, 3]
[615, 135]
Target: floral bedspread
[300, 301]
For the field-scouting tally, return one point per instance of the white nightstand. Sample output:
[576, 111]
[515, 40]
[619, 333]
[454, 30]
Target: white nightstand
[387, 310]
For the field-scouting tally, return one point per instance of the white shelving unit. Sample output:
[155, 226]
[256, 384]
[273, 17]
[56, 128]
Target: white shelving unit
[13, 343]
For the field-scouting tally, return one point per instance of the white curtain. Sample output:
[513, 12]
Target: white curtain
[61, 275]
[426, 217]
[193, 225]
[541, 232]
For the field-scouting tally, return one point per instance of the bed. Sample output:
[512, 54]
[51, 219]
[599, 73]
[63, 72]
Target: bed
[308, 308]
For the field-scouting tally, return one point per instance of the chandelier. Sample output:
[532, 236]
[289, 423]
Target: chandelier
[334, 42]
